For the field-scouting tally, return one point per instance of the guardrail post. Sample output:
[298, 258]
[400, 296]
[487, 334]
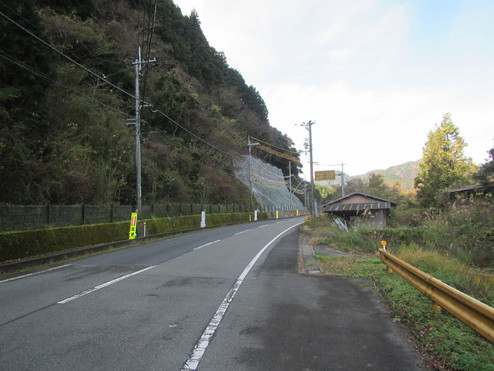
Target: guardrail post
[436, 308]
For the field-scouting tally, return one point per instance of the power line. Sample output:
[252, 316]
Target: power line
[99, 77]
[148, 49]
[110, 83]
[57, 82]
[66, 56]
[67, 87]
[191, 133]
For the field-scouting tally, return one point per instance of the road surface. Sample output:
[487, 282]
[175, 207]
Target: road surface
[221, 299]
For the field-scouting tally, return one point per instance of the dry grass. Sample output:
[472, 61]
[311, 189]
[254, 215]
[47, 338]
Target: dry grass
[452, 271]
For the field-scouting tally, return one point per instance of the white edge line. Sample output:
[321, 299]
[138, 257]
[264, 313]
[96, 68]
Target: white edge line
[200, 348]
[103, 285]
[34, 273]
[207, 244]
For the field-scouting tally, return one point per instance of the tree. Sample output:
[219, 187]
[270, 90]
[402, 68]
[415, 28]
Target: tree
[485, 175]
[323, 193]
[443, 164]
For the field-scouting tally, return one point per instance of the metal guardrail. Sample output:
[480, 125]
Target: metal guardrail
[477, 315]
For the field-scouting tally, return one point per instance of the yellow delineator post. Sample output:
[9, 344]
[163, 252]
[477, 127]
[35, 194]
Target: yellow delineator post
[133, 226]
[388, 269]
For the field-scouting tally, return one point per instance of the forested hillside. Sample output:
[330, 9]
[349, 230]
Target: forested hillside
[67, 92]
[403, 174]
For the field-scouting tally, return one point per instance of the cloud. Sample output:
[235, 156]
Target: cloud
[375, 75]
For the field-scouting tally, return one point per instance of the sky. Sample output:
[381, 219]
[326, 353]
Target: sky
[376, 76]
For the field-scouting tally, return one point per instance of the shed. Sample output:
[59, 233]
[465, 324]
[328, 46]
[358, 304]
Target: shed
[360, 209]
[465, 192]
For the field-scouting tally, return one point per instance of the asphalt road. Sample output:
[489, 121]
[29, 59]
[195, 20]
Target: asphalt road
[221, 299]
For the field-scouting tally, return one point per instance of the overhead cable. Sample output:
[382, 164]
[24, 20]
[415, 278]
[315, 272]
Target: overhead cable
[66, 56]
[57, 82]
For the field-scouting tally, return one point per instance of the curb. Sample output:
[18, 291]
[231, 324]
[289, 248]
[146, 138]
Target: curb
[14, 265]
[306, 261]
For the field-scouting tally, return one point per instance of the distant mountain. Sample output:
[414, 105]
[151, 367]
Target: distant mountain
[404, 173]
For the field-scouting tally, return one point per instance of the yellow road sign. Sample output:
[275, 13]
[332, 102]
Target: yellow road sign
[133, 226]
[325, 175]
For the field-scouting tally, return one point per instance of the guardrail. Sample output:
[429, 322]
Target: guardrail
[477, 315]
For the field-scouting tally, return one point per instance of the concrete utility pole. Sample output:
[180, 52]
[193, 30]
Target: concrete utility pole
[305, 195]
[138, 67]
[312, 204]
[290, 179]
[342, 181]
[251, 144]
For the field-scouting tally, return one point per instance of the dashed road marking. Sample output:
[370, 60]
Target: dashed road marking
[103, 285]
[207, 244]
[34, 274]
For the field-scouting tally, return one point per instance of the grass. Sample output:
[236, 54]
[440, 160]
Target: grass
[452, 271]
[446, 343]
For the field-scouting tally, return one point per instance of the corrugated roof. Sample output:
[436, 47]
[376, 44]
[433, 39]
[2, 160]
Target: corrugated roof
[357, 207]
[377, 199]
[465, 189]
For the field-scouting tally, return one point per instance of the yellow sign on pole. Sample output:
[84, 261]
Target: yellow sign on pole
[133, 226]
[325, 175]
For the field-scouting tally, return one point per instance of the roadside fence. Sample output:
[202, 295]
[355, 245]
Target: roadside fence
[24, 217]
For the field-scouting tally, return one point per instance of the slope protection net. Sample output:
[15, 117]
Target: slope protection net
[269, 186]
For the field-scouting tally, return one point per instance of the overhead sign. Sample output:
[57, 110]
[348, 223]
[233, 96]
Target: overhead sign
[277, 153]
[325, 175]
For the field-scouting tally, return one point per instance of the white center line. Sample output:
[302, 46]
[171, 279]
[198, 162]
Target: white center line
[103, 285]
[34, 273]
[236, 234]
[200, 348]
[207, 244]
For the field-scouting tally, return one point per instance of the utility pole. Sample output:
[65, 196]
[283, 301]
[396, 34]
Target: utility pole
[250, 145]
[290, 179]
[342, 181]
[305, 195]
[137, 123]
[312, 204]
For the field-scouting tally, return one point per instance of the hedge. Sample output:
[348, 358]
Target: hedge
[24, 244]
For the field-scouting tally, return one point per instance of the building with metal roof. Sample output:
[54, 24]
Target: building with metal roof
[360, 209]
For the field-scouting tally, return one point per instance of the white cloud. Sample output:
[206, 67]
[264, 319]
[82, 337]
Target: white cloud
[375, 75]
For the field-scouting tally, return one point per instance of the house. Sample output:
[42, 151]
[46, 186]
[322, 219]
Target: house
[360, 209]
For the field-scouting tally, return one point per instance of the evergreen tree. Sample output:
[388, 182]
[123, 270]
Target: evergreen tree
[485, 175]
[444, 164]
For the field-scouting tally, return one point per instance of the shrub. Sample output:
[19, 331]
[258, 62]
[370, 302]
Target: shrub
[18, 245]
[23, 244]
